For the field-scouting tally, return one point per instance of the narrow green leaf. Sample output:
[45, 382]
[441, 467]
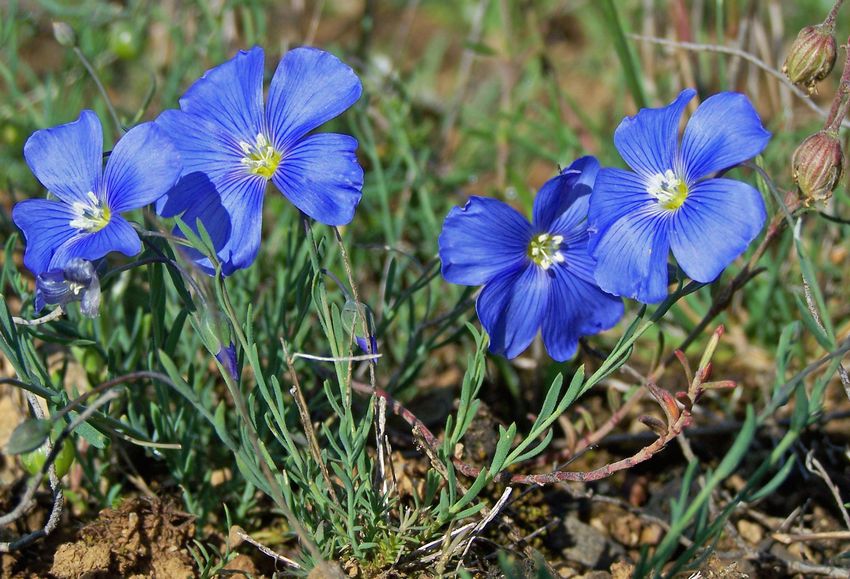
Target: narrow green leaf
[775, 482]
[503, 446]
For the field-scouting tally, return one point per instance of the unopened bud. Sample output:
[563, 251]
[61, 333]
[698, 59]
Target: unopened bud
[226, 356]
[64, 34]
[77, 281]
[817, 165]
[811, 57]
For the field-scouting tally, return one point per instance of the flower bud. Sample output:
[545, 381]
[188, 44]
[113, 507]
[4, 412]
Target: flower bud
[226, 356]
[363, 329]
[76, 282]
[817, 165]
[811, 57]
[64, 34]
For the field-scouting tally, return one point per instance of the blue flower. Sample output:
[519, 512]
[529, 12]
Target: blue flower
[537, 274]
[77, 282]
[232, 146]
[673, 199]
[226, 356]
[369, 344]
[85, 221]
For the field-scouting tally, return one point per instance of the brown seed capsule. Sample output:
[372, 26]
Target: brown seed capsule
[811, 57]
[817, 165]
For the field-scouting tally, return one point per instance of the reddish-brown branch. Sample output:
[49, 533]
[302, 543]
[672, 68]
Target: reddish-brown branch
[593, 438]
[674, 429]
[678, 415]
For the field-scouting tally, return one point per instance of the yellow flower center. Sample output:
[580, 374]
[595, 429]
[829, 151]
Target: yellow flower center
[668, 189]
[91, 217]
[260, 158]
[545, 250]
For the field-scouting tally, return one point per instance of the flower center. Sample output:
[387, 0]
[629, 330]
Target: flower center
[261, 158]
[545, 249]
[669, 190]
[91, 217]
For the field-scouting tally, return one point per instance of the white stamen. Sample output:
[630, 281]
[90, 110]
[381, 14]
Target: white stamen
[261, 158]
[668, 189]
[545, 250]
[90, 217]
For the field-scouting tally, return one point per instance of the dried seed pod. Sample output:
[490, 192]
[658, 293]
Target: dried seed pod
[817, 164]
[811, 57]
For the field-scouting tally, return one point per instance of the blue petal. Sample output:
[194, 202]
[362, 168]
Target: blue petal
[143, 166]
[207, 208]
[724, 131]
[215, 188]
[483, 239]
[46, 226]
[577, 258]
[210, 158]
[81, 272]
[234, 220]
[616, 194]
[55, 287]
[118, 235]
[628, 237]
[321, 176]
[715, 225]
[369, 345]
[648, 141]
[68, 159]
[231, 95]
[562, 193]
[309, 88]
[631, 257]
[52, 289]
[511, 308]
[90, 304]
[576, 308]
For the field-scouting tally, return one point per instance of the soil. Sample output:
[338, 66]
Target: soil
[142, 538]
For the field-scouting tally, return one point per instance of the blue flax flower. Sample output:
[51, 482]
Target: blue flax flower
[534, 274]
[85, 222]
[76, 282]
[232, 146]
[673, 199]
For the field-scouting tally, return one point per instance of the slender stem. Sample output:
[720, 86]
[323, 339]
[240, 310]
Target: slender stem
[360, 358]
[380, 409]
[841, 100]
[243, 536]
[752, 59]
[306, 423]
[829, 22]
[539, 479]
[48, 468]
[323, 299]
[49, 317]
[183, 273]
[631, 68]
[119, 128]
[239, 401]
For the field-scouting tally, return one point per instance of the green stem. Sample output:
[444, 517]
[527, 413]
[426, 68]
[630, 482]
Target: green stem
[253, 437]
[631, 68]
[118, 126]
[344, 382]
